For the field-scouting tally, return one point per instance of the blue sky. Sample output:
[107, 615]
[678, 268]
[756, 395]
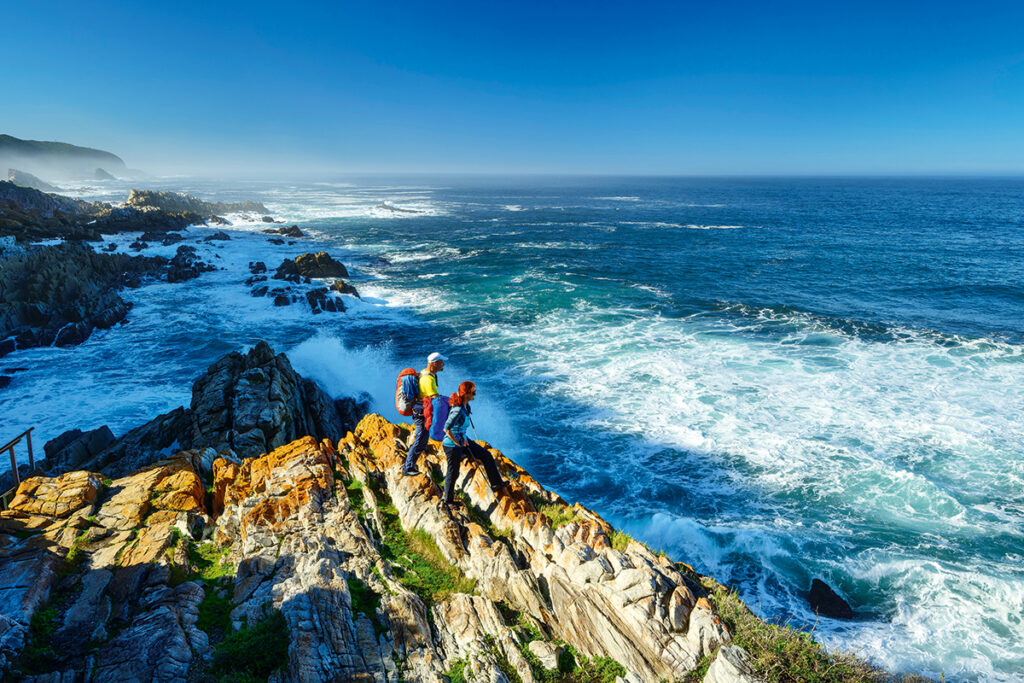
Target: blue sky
[688, 88]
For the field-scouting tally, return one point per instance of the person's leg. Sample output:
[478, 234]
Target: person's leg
[454, 457]
[419, 438]
[491, 467]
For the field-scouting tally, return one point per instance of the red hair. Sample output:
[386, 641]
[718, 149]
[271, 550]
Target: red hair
[458, 397]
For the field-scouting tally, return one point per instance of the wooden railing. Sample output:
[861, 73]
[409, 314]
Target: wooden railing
[6, 497]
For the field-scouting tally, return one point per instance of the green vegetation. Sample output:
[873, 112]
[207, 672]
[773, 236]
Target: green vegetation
[354, 489]
[365, 601]
[418, 563]
[253, 653]
[215, 610]
[457, 674]
[781, 653]
[620, 540]
[210, 561]
[558, 515]
[75, 557]
[39, 652]
[573, 667]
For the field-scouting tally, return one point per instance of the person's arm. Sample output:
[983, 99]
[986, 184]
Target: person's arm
[452, 422]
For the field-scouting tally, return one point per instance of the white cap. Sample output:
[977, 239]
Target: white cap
[435, 356]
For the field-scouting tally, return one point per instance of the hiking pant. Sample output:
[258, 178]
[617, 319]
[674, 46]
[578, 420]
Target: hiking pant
[456, 455]
[419, 436]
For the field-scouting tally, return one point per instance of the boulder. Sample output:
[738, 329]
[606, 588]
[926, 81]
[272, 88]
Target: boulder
[827, 602]
[547, 653]
[57, 497]
[317, 265]
[73, 448]
[290, 231]
[219, 236]
[186, 265]
[731, 665]
[256, 267]
[320, 302]
[267, 219]
[343, 287]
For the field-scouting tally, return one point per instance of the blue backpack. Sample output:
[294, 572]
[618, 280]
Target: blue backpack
[435, 414]
[407, 386]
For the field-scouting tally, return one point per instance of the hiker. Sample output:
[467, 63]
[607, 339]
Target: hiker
[457, 445]
[427, 390]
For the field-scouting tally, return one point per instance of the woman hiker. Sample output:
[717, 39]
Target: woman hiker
[457, 445]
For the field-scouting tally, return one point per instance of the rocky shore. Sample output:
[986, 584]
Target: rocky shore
[267, 533]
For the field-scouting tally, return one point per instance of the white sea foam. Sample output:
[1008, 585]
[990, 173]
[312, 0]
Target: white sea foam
[864, 429]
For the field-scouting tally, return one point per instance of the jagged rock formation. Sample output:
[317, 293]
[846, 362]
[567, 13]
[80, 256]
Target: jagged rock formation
[25, 179]
[55, 159]
[248, 403]
[29, 214]
[176, 202]
[58, 295]
[308, 536]
[320, 264]
[290, 231]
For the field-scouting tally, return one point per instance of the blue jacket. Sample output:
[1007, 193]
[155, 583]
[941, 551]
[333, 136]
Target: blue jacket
[456, 424]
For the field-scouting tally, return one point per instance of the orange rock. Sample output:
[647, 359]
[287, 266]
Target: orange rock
[182, 491]
[56, 497]
[224, 474]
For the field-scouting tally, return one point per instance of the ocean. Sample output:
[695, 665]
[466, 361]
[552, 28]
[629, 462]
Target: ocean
[772, 380]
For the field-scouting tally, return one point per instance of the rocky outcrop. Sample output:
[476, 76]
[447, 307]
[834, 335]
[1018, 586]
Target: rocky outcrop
[25, 179]
[319, 264]
[246, 403]
[290, 231]
[328, 537]
[72, 449]
[178, 202]
[29, 214]
[58, 295]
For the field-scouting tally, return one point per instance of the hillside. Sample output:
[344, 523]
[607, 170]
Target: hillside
[56, 160]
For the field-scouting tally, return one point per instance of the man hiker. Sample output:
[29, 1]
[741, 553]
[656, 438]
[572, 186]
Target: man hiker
[427, 389]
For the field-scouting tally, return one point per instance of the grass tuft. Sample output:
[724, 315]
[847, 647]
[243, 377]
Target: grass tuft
[253, 653]
[620, 540]
[781, 653]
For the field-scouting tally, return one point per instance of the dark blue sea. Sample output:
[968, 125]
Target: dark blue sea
[771, 379]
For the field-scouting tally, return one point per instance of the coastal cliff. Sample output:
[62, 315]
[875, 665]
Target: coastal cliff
[319, 560]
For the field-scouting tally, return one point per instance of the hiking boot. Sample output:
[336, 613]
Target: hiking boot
[495, 488]
[401, 445]
[453, 506]
[411, 472]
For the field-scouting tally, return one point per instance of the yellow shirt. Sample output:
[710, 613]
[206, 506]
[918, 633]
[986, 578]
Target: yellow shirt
[428, 384]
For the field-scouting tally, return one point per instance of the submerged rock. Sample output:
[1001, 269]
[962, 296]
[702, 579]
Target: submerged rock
[290, 231]
[343, 287]
[827, 602]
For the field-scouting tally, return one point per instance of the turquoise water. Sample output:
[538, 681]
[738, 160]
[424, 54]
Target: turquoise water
[773, 380]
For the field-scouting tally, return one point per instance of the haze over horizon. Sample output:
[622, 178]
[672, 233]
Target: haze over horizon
[339, 88]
